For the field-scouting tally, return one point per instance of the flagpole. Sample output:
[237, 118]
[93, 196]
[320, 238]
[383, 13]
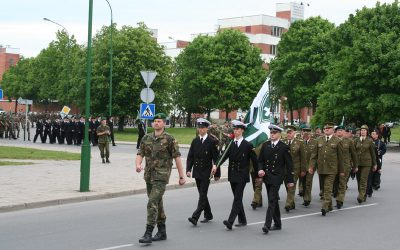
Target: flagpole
[223, 155]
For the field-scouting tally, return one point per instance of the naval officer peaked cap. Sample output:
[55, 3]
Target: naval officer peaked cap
[202, 123]
[276, 128]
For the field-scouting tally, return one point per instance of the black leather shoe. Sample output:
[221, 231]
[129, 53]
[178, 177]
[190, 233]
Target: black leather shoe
[275, 227]
[330, 209]
[205, 220]
[306, 203]
[339, 204]
[108, 161]
[241, 224]
[227, 224]
[103, 161]
[287, 208]
[323, 212]
[265, 229]
[300, 193]
[253, 205]
[193, 221]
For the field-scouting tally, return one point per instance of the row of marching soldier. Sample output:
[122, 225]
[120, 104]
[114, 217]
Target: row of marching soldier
[334, 155]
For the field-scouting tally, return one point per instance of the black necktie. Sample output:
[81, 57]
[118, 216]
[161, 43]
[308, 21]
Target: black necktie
[290, 142]
[236, 143]
[306, 142]
[327, 139]
[201, 140]
[273, 145]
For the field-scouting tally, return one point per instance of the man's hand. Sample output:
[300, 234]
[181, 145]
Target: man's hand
[259, 180]
[355, 170]
[213, 170]
[182, 181]
[290, 185]
[374, 168]
[302, 174]
[189, 174]
[139, 168]
[310, 170]
[341, 174]
[261, 173]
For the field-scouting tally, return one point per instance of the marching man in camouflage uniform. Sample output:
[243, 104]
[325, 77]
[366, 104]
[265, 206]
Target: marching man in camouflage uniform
[159, 148]
[103, 132]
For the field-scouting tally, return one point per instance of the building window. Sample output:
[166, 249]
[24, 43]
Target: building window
[274, 50]
[247, 29]
[11, 62]
[276, 31]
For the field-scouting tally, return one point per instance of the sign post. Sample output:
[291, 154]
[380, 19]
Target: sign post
[147, 95]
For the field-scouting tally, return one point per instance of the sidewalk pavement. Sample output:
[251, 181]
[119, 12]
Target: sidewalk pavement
[48, 182]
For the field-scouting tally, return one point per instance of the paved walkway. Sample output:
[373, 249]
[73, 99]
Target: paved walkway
[47, 183]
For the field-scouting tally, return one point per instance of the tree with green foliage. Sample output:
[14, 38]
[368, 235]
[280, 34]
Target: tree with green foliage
[301, 62]
[134, 49]
[363, 79]
[221, 72]
[46, 77]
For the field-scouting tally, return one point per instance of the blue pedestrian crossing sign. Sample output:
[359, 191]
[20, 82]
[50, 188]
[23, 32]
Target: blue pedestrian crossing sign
[147, 110]
[1, 94]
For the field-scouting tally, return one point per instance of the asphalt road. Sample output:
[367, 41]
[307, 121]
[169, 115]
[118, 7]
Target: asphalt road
[119, 223]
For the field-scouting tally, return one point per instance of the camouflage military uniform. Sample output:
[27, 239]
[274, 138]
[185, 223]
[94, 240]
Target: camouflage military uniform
[104, 141]
[159, 152]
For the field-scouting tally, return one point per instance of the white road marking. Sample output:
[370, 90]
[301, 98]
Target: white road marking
[262, 222]
[311, 214]
[116, 247]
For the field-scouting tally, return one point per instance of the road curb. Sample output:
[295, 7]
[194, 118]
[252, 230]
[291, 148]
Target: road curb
[40, 204]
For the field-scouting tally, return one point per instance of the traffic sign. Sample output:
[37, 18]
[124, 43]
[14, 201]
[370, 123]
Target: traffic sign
[1, 94]
[148, 76]
[147, 110]
[147, 95]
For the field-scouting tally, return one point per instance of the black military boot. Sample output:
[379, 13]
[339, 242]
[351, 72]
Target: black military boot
[147, 235]
[107, 160]
[103, 161]
[161, 234]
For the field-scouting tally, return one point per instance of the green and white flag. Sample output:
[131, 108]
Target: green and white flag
[259, 117]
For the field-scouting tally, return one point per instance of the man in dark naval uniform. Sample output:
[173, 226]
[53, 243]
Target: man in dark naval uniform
[202, 160]
[240, 152]
[274, 161]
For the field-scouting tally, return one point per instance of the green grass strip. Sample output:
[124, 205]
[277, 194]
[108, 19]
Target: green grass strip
[36, 154]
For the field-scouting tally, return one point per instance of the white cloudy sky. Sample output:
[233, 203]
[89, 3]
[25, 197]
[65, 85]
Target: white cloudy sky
[22, 25]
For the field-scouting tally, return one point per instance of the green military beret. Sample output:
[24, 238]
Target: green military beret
[103, 118]
[349, 129]
[306, 129]
[340, 127]
[364, 127]
[161, 116]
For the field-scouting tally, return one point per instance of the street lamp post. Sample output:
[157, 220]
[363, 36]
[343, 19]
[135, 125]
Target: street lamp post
[111, 60]
[68, 53]
[85, 152]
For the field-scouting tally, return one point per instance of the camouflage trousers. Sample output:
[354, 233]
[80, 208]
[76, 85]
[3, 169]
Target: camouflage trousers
[155, 208]
[104, 150]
